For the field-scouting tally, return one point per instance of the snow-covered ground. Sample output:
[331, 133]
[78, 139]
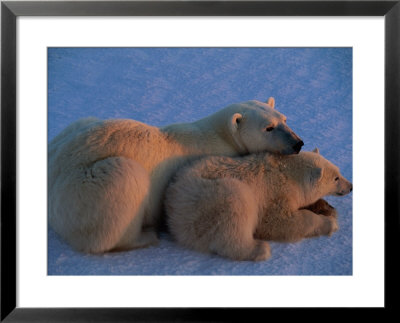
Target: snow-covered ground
[160, 86]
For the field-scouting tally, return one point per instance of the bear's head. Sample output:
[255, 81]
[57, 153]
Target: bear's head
[256, 126]
[324, 177]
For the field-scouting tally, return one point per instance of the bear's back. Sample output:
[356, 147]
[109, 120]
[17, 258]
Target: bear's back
[88, 142]
[245, 168]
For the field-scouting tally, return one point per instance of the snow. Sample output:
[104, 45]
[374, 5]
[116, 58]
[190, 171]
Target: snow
[160, 86]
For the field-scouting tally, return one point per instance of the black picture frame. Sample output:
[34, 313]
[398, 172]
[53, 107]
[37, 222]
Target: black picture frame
[10, 10]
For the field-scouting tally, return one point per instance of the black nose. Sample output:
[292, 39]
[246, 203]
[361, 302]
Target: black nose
[298, 146]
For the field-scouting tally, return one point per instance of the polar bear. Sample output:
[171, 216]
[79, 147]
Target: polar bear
[106, 179]
[230, 206]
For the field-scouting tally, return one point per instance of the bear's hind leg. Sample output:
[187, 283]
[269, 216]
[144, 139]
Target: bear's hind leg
[240, 244]
[101, 207]
[234, 232]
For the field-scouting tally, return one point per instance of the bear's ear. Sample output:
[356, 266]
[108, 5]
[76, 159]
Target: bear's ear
[316, 174]
[271, 102]
[316, 150]
[235, 121]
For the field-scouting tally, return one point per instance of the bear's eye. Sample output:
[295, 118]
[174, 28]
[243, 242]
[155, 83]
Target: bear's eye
[269, 128]
[336, 179]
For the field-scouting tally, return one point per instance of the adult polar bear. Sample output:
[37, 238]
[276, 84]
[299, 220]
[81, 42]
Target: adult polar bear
[106, 179]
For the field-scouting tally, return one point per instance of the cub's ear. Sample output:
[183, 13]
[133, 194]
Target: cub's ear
[316, 173]
[316, 150]
[235, 121]
[271, 102]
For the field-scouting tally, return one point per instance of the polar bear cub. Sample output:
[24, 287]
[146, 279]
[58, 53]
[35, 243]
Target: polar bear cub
[106, 178]
[229, 206]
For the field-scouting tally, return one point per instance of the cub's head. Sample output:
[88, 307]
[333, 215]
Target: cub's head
[325, 177]
[256, 126]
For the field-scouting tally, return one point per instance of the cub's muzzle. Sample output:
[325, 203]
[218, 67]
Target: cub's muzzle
[345, 190]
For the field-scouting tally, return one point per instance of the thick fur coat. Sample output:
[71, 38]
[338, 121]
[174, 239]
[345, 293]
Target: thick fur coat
[230, 206]
[106, 179]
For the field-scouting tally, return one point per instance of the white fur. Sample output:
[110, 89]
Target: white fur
[107, 178]
[230, 206]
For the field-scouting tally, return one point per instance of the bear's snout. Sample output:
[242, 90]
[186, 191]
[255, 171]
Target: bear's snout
[297, 146]
[346, 190]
